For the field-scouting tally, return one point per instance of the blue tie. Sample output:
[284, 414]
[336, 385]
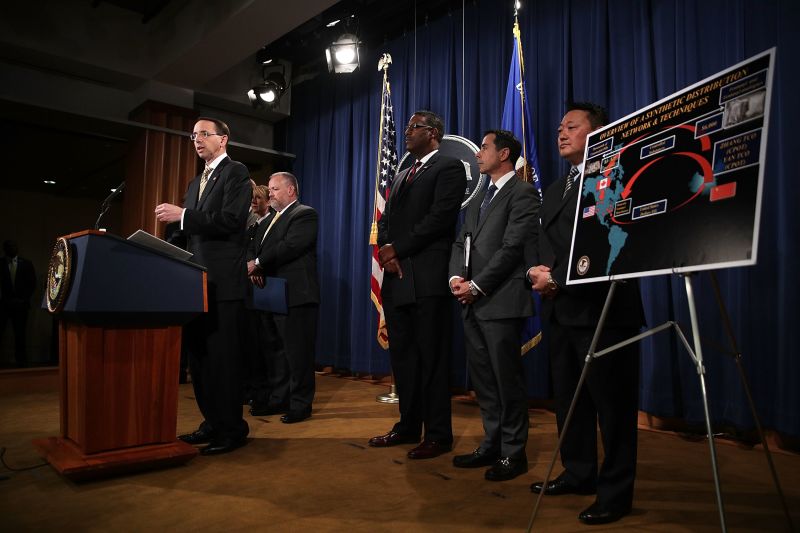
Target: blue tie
[486, 199]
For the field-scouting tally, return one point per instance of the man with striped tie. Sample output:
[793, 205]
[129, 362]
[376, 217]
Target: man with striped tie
[213, 227]
[570, 316]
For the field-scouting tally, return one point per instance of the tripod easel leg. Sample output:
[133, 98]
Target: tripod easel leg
[737, 356]
[701, 373]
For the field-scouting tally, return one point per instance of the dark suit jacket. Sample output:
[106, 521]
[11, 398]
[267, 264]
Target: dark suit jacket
[290, 251]
[419, 220]
[25, 282]
[214, 229]
[497, 259]
[578, 305]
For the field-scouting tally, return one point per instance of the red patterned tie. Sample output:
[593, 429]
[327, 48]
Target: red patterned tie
[413, 171]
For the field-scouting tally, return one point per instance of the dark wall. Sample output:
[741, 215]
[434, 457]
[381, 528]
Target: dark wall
[34, 221]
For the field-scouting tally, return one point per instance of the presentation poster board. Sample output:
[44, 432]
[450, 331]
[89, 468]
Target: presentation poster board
[677, 186]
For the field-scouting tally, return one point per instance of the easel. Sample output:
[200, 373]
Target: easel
[697, 356]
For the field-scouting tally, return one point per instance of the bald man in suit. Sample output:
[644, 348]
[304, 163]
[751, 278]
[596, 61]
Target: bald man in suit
[285, 246]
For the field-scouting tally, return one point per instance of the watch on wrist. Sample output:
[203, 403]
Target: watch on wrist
[552, 286]
[473, 289]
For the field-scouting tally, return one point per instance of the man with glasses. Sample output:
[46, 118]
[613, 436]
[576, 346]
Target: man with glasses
[212, 227]
[414, 235]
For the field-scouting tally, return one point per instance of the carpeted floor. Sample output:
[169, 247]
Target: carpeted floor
[320, 475]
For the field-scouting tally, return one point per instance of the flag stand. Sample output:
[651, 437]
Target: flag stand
[391, 397]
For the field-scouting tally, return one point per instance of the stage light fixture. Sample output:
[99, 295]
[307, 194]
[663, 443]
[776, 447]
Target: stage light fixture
[269, 92]
[342, 54]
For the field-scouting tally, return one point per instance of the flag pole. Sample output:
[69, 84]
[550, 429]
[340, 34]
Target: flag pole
[518, 44]
[517, 120]
[383, 65]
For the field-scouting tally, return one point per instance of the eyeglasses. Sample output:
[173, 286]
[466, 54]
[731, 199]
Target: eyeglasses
[416, 126]
[203, 134]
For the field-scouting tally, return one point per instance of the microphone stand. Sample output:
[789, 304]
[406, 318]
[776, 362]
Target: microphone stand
[107, 203]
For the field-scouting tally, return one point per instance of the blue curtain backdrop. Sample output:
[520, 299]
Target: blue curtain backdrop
[625, 54]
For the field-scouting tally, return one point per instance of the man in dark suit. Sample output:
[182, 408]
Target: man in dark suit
[17, 283]
[571, 314]
[212, 227]
[496, 300]
[287, 248]
[414, 235]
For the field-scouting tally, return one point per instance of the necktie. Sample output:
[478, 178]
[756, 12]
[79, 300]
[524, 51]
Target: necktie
[271, 223]
[573, 173]
[204, 180]
[487, 199]
[413, 171]
[13, 271]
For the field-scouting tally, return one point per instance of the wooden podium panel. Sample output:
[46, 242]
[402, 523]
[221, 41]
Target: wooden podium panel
[118, 387]
[119, 399]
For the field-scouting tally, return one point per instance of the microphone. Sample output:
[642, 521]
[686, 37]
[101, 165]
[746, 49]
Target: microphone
[116, 192]
[104, 207]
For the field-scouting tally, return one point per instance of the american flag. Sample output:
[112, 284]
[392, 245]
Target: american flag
[386, 168]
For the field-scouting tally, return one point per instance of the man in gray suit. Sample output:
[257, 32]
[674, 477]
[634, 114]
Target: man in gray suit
[491, 287]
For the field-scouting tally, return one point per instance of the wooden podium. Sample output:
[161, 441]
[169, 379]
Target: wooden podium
[121, 310]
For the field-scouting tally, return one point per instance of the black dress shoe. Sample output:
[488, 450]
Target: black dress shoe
[196, 437]
[507, 468]
[221, 446]
[292, 417]
[265, 410]
[476, 459]
[559, 486]
[392, 438]
[598, 513]
[430, 449]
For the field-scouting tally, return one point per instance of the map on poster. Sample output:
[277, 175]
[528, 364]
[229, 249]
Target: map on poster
[676, 186]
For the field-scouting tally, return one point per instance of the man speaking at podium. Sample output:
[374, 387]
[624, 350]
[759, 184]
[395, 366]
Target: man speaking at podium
[212, 227]
[571, 313]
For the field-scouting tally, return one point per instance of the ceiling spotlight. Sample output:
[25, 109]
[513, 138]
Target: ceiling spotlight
[342, 54]
[268, 93]
[333, 23]
[49, 182]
